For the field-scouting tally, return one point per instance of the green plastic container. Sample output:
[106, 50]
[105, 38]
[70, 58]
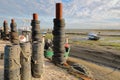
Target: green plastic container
[49, 53]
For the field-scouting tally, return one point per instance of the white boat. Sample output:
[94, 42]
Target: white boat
[93, 36]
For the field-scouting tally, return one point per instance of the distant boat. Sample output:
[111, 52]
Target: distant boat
[93, 36]
[44, 32]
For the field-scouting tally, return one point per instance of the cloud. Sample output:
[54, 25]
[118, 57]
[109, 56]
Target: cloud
[75, 11]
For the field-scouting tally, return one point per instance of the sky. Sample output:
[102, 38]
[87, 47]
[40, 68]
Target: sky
[78, 14]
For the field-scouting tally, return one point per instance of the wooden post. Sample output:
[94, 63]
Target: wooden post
[6, 32]
[37, 48]
[59, 36]
[59, 11]
[14, 34]
[25, 60]
[12, 62]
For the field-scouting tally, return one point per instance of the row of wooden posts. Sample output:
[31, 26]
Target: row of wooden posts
[23, 59]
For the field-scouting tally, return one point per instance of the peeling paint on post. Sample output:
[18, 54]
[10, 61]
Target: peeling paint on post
[59, 36]
[37, 48]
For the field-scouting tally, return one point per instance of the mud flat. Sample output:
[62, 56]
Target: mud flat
[104, 64]
[99, 72]
[102, 57]
[99, 56]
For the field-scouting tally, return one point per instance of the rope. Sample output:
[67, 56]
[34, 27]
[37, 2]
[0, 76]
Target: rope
[23, 53]
[17, 63]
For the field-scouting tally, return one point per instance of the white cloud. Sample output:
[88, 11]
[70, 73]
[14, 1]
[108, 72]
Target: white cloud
[76, 11]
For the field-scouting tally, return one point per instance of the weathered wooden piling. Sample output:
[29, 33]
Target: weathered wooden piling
[25, 60]
[37, 60]
[12, 62]
[14, 34]
[59, 36]
[12, 56]
[6, 32]
[37, 48]
[35, 28]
